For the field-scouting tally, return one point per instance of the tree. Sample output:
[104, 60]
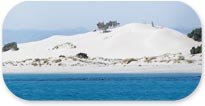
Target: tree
[100, 25]
[109, 24]
[196, 34]
[115, 24]
[105, 26]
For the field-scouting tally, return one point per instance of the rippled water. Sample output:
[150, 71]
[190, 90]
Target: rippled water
[102, 86]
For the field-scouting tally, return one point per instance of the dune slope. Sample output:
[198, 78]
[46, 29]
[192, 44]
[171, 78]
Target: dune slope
[131, 40]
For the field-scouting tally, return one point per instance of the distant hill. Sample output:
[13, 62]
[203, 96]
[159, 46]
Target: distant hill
[22, 36]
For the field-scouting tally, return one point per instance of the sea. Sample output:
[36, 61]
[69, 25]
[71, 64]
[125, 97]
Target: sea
[102, 87]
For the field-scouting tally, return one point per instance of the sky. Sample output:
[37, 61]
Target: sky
[56, 16]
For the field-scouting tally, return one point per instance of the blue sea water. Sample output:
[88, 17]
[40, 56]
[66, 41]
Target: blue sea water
[102, 86]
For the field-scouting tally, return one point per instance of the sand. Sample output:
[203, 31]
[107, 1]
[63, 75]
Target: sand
[110, 69]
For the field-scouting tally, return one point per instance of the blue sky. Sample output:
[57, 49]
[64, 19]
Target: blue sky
[50, 16]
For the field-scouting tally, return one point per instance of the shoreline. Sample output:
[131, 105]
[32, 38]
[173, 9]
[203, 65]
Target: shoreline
[104, 70]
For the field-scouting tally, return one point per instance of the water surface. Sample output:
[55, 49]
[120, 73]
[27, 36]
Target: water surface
[102, 86]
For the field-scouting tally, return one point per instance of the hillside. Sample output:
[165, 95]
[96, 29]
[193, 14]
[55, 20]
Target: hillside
[133, 40]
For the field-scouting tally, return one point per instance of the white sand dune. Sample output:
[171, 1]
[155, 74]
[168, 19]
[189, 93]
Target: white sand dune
[131, 40]
[107, 51]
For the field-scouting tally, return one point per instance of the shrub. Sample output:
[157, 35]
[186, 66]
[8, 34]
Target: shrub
[129, 60]
[196, 50]
[10, 46]
[45, 61]
[82, 55]
[161, 61]
[180, 58]
[149, 59]
[176, 61]
[57, 61]
[196, 34]
[169, 61]
[37, 60]
[189, 61]
[60, 64]
[65, 45]
[34, 64]
[62, 56]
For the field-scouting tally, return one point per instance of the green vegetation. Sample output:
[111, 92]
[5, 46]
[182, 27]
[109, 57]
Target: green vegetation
[65, 45]
[196, 34]
[105, 26]
[57, 60]
[181, 58]
[10, 46]
[45, 61]
[34, 64]
[62, 56]
[149, 59]
[189, 61]
[196, 50]
[82, 55]
[129, 60]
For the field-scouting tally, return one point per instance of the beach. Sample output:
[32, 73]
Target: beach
[110, 69]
